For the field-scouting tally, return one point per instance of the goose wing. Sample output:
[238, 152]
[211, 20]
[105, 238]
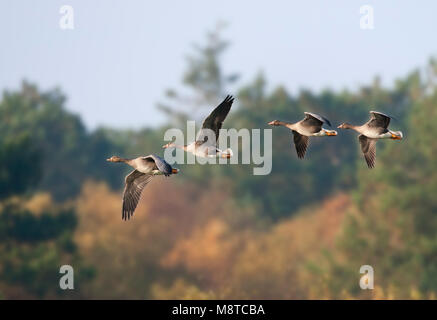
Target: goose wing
[135, 183]
[312, 119]
[301, 144]
[368, 147]
[160, 163]
[379, 120]
[215, 120]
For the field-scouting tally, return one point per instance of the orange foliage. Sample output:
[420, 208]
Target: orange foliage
[207, 251]
[185, 243]
[128, 253]
[253, 264]
[39, 203]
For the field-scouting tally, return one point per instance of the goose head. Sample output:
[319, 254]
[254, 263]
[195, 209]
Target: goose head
[275, 123]
[114, 159]
[344, 125]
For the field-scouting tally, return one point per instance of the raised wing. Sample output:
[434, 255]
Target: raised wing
[379, 119]
[135, 183]
[160, 163]
[301, 144]
[315, 119]
[368, 147]
[215, 120]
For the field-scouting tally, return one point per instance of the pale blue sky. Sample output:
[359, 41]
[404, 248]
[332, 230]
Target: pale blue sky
[121, 56]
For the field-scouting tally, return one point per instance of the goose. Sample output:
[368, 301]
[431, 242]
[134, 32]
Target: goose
[145, 168]
[310, 126]
[374, 129]
[206, 141]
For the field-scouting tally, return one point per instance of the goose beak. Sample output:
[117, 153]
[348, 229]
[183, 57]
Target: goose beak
[226, 155]
[396, 137]
[272, 123]
[174, 171]
[331, 133]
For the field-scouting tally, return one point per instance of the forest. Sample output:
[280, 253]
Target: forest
[218, 231]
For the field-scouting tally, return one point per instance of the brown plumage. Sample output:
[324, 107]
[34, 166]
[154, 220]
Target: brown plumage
[310, 126]
[207, 138]
[134, 185]
[215, 119]
[145, 169]
[368, 147]
[301, 144]
[370, 132]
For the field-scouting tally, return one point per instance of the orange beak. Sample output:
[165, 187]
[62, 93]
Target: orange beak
[174, 171]
[396, 137]
[333, 133]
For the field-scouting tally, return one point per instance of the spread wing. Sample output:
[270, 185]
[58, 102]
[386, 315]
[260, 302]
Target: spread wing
[379, 120]
[301, 144]
[215, 120]
[313, 119]
[135, 183]
[368, 147]
[160, 163]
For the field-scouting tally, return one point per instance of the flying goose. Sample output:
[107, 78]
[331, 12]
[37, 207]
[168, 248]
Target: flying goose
[310, 126]
[206, 141]
[145, 169]
[374, 129]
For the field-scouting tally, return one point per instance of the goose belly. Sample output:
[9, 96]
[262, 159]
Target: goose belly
[146, 168]
[372, 135]
[143, 165]
[307, 131]
[205, 151]
[375, 134]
